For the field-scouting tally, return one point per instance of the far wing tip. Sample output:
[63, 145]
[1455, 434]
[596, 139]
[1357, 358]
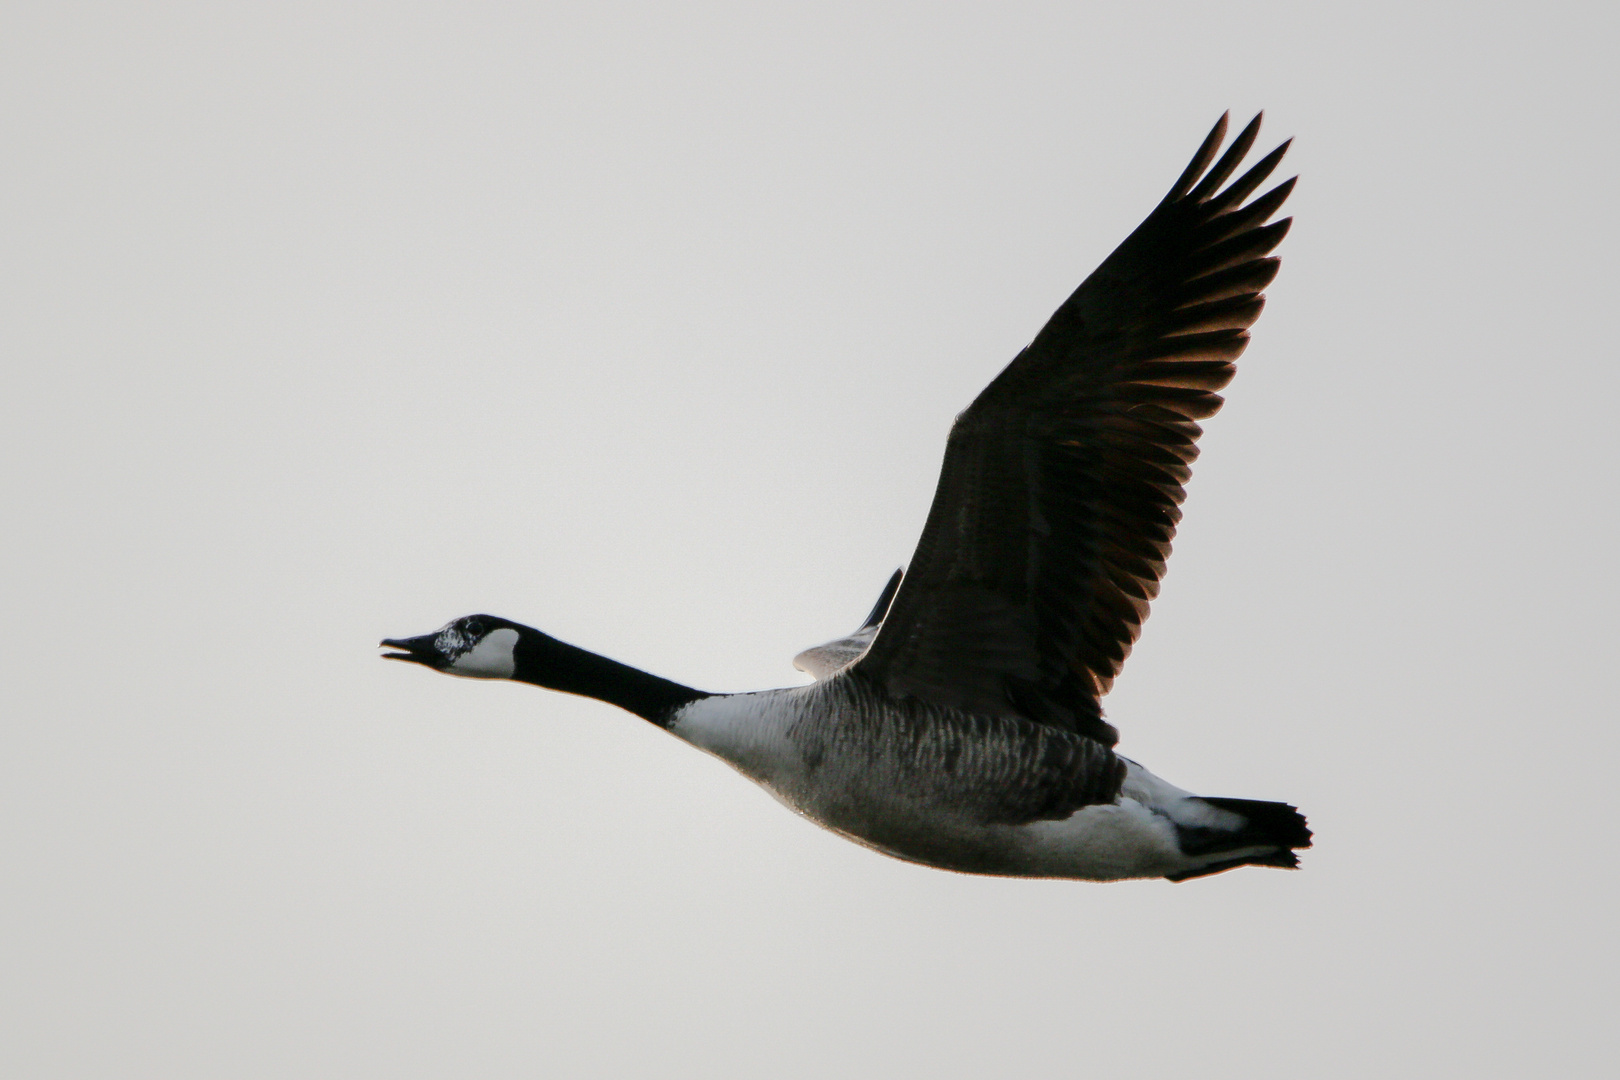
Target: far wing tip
[881, 608]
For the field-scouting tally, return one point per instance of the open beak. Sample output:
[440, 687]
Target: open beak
[418, 650]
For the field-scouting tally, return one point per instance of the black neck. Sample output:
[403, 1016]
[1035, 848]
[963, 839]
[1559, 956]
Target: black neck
[557, 665]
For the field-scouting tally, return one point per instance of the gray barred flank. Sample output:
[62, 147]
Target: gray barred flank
[996, 770]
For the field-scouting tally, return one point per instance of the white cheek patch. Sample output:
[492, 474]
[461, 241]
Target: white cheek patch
[491, 658]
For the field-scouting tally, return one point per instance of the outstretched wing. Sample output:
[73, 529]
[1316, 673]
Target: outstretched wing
[1062, 482]
[823, 660]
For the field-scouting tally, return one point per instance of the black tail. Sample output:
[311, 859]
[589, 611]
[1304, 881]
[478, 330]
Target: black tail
[1264, 823]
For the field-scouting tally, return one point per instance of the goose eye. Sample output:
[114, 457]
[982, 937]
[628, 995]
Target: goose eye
[475, 628]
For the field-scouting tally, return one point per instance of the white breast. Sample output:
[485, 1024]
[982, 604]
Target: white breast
[747, 730]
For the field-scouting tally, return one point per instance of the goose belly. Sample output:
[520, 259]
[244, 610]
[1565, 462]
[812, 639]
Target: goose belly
[1098, 843]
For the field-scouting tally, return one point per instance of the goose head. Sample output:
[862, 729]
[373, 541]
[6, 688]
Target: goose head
[473, 646]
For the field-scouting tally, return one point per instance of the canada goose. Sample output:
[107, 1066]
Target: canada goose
[960, 726]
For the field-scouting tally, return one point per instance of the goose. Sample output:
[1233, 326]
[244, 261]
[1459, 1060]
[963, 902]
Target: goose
[960, 725]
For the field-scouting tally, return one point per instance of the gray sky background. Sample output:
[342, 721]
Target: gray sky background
[644, 324]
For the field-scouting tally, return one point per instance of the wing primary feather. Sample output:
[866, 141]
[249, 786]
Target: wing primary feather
[1232, 313]
[1191, 404]
[1239, 249]
[1196, 375]
[1246, 280]
[1200, 161]
[1244, 185]
[1189, 348]
[1235, 221]
[1229, 162]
